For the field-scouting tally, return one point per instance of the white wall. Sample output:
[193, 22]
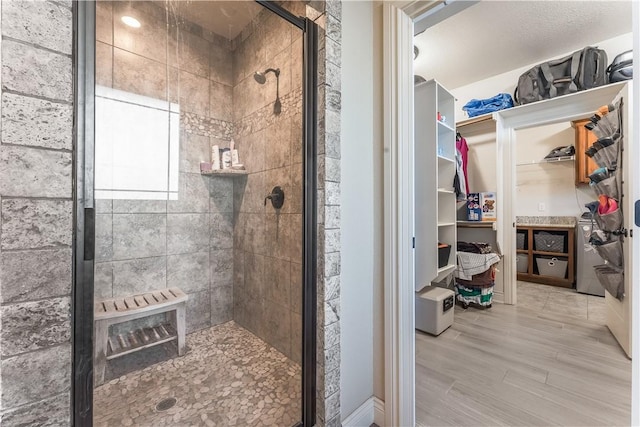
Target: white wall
[507, 81]
[552, 184]
[359, 268]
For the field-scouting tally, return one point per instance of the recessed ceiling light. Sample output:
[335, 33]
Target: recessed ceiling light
[131, 21]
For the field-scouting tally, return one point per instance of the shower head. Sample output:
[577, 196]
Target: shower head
[261, 78]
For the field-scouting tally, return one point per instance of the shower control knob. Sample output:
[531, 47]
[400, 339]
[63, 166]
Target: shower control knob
[276, 197]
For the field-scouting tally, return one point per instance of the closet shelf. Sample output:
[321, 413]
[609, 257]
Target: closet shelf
[446, 224]
[474, 120]
[444, 125]
[445, 159]
[445, 191]
[552, 160]
[477, 224]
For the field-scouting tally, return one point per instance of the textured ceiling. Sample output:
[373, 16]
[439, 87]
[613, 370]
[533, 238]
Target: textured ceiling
[492, 37]
[225, 18]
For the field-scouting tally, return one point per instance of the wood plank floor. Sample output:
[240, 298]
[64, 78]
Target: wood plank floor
[513, 366]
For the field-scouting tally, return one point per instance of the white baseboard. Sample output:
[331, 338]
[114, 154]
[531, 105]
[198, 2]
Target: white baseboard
[378, 412]
[371, 411]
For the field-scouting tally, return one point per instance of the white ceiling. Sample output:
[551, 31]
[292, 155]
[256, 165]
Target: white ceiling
[492, 37]
[225, 18]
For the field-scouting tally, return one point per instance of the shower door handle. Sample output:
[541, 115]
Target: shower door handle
[89, 233]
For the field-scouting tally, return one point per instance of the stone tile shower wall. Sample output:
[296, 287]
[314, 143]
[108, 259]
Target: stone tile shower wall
[144, 245]
[36, 202]
[329, 99]
[268, 243]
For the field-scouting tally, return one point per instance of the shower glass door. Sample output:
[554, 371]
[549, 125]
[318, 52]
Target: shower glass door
[199, 214]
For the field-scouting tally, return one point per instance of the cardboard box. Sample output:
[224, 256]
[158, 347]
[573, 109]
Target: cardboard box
[488, 202]
[481, 206]
[474, 208]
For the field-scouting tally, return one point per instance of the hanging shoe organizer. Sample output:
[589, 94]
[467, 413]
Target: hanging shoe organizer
[606, 181]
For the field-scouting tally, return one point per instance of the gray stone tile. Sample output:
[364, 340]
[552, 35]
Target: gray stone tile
[221, 191]
[220, 101]
[139, 235]
[33, 71]
[139, 206]
[296, 337]
[104, 64]
[221, 228]
[222, 267]
[297, 189]
[278, 327]
[189, 272]
[332, 240]
[332, 169]
[139, 75]
[221, 304]
[331, 287]
[254, 267]
[332, 217]
[42, 23]
[193, 93]
[187, 233]
[20, 282]
[277, 281]
[102, 281]
[139, 276]
[251, 150]
[331, 311]
[35, 376]
[278, 235]
[193, 194]
[221, 65]
[150, 40]
[296, 287]
[104, 237]
[198, 311]
[31, 224]
[332, 264]
[104, 22]
[194, 149]
[36, 122]
[296, 237]
[31, 172]
[104, 206]
[238, 268]
[52, 412]
[278, 148]
[189, 52]
[29, 326]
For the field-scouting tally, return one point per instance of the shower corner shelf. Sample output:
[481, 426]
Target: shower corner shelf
[226, 172]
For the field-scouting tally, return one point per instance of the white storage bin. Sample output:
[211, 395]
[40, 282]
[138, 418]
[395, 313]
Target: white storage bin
[434, 310]
[522, 263]
[553, 267]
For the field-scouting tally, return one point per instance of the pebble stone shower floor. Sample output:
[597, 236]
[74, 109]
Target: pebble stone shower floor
[229, 377]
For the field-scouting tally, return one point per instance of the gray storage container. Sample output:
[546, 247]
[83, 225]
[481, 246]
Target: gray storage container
[549, 242]
[520, 236]
[522, 263]
[552, 267]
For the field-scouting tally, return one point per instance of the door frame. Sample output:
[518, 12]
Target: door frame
[84, 31]
[398, 24]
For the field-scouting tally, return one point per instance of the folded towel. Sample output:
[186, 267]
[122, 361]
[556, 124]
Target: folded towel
[470, 264]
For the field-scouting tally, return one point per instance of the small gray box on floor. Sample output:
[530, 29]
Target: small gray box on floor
[434, 310]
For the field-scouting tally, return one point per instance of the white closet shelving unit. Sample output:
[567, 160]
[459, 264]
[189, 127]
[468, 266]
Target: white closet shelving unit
[434, 172]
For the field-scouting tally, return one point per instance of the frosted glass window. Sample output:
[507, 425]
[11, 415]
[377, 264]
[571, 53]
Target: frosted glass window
[137, 144]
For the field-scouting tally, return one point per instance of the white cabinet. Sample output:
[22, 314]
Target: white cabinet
[434, 172]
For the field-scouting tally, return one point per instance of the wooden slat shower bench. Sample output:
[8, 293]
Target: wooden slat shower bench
[117, 310]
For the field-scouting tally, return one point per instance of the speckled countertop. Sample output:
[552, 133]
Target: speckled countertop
[547, 221]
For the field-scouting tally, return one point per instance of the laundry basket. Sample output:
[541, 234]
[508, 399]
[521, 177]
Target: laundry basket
[549, 242]
[551, 266]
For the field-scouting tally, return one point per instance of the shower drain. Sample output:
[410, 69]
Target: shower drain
[165, 404]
